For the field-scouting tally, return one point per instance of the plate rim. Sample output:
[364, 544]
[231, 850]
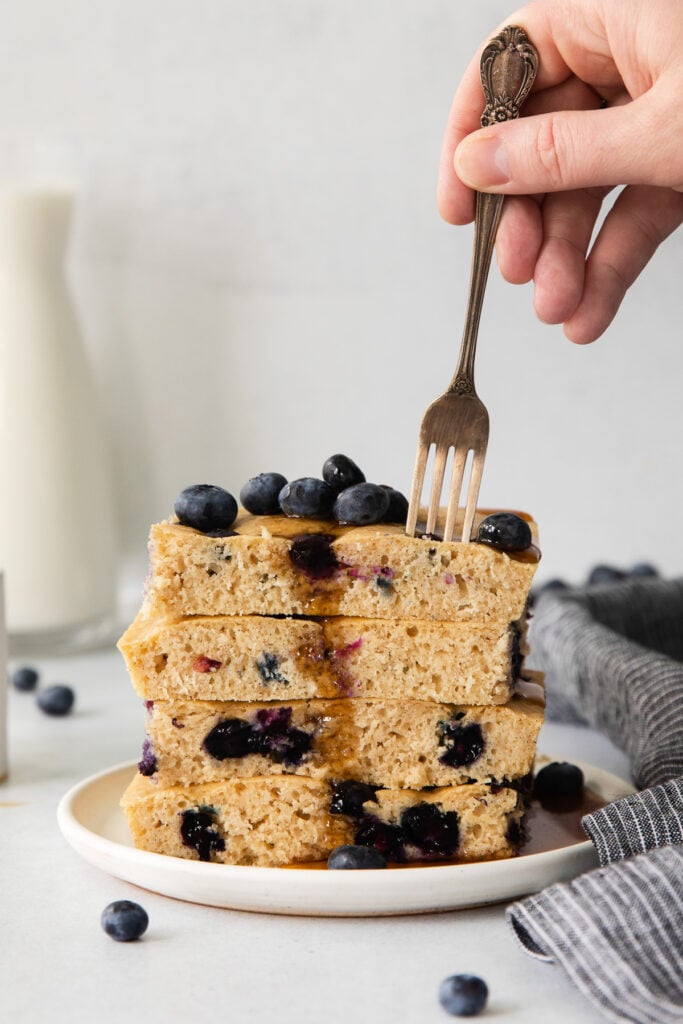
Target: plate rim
[316, 884]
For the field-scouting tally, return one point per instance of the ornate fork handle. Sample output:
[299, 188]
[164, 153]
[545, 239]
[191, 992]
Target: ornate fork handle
[508, 68]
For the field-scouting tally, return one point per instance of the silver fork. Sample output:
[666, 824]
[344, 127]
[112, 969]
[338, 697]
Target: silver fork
[458, 419]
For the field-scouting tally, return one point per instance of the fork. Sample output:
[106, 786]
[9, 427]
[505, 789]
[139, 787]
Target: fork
[458, 419]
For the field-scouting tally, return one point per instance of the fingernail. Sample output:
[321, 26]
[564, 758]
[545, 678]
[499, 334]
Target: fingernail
[481, 161]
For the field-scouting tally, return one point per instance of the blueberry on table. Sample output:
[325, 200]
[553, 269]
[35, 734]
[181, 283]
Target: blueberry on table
[56, 700]
[24, 678]
[361, 505]
[505, 531]
[559, 786]
[307, 497]
[206, 507]
[355, 858]
[398, 506]
[124, 920]
[260, 494]
[340, 472]
[463, 995]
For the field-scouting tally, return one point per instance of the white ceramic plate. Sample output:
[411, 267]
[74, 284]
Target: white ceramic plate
[93, 823]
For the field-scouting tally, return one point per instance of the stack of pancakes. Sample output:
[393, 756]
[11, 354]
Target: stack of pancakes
[310, 685]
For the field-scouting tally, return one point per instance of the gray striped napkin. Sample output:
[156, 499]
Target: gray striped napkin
[613, 657]
[617, 933]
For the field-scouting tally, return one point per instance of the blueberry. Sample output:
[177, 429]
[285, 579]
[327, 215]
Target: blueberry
[383, 836]
[277, 739]
[268, 666]
[435, 833]
[24, 678]
[289, 748]
[274, 720]
[198, 831]
[348, 797]
[355, 858]
[464, 743]
[56, 700]
[605, 574]
[270, 734]
[514, 834]
[398, 506]
[147, 765]
[308, 497]
[361, 504]
[206, 508]
[222, 531]
[341, 472]
[260, 494]
[463, 995]
[643, 569]
[233, 737]
[505, 531]
[559, 786]
[384, 583]
[124, 920]
[312, 553]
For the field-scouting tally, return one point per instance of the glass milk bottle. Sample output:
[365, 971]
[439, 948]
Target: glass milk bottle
[57, 536]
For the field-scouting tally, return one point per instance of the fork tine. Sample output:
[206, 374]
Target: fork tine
[459, 460]
[473, 493]
[416, 490]
[440, 457]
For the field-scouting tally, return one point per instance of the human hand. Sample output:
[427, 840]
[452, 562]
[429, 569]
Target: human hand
[559, 164]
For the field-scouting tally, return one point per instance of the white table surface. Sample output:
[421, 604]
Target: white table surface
[199, 964]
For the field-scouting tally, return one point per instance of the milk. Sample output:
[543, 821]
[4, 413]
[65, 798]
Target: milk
[57, 536]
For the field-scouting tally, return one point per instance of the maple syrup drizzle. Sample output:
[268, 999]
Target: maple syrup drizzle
[288, 528]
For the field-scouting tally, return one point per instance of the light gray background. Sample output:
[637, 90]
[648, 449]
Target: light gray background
[264, 279]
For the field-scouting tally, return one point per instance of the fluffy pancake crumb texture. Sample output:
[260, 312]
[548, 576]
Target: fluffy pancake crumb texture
[310, 685]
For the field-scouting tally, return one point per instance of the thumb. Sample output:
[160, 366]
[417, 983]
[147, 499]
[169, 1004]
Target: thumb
[567, 149]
